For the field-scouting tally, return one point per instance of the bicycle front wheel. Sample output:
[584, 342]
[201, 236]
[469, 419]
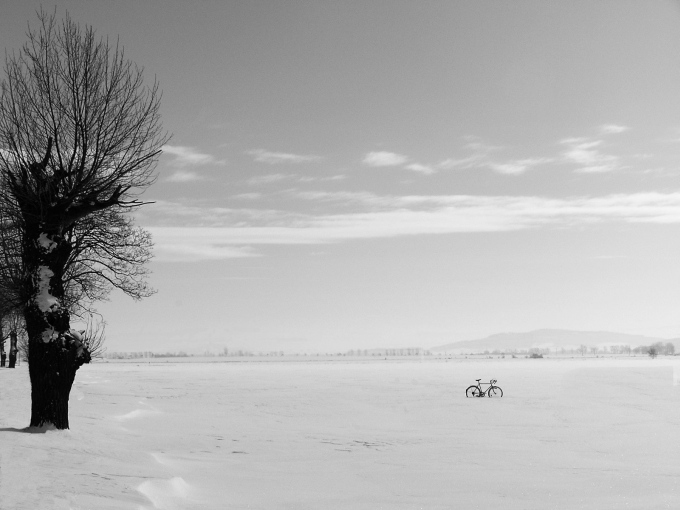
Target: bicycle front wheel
[472, 391]
[495, 391]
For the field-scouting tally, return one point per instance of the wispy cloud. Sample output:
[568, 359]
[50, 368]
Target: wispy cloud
[476, 153]
[185, 213]
[189, 157]
[588, 157]
[466, 162]
[310, 178]
[269, 178]
[508, 168]
[184, 176]
[423, 169]
[477, 144]
[612, 129]
[384, 158]
[248, 196]
[483, 157]
[394, 159]
[519, 166]
[276, 158]
[480, 156]
[231, 233]
[352, 198]
[173, 249]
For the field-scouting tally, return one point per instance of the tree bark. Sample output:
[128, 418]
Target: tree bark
[52, 370]
[55, 352]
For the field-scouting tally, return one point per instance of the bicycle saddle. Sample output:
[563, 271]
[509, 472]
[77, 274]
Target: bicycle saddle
[477, 380]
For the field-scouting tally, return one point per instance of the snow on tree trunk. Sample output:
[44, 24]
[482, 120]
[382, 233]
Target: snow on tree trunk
[55, 352]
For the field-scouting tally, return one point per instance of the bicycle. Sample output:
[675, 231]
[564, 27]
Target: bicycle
[477, 391]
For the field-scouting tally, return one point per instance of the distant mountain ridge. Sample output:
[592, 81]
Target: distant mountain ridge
[553, 339]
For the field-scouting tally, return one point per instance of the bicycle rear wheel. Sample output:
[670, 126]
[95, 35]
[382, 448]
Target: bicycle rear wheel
[494, 391]
[472, 391]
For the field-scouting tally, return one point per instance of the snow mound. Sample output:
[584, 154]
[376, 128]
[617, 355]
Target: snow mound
[137, 413]
[166, 494]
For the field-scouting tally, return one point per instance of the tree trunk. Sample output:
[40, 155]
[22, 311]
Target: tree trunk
[52, 371]
[13, 349]
[55, 352]
[3, 354]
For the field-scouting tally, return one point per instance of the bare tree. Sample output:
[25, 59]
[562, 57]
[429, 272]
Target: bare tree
[10, 280]
[14, 323]
[80, 135]
[3, 354]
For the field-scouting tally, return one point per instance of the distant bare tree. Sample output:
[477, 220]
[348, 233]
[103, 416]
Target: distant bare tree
[80, 135]
[658, 347]
[18, 326]
[3, 339]
[10, 284]
[14, 323]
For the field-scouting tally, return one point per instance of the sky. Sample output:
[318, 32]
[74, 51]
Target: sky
[364, 174]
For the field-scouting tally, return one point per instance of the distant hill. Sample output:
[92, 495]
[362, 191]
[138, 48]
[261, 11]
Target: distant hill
[552, 339]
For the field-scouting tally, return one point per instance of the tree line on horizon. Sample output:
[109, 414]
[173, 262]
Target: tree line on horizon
[663, 348]
[80, 136]
[239, 353]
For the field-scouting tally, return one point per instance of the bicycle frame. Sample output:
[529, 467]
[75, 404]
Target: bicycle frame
[481, 392]
[489, 384]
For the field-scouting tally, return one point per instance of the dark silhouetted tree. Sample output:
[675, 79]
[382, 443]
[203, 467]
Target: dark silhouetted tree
[80, 135]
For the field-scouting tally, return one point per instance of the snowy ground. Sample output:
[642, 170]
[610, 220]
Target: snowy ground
[569, 434]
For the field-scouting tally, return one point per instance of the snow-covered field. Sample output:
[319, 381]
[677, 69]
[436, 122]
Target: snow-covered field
[568, 434]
